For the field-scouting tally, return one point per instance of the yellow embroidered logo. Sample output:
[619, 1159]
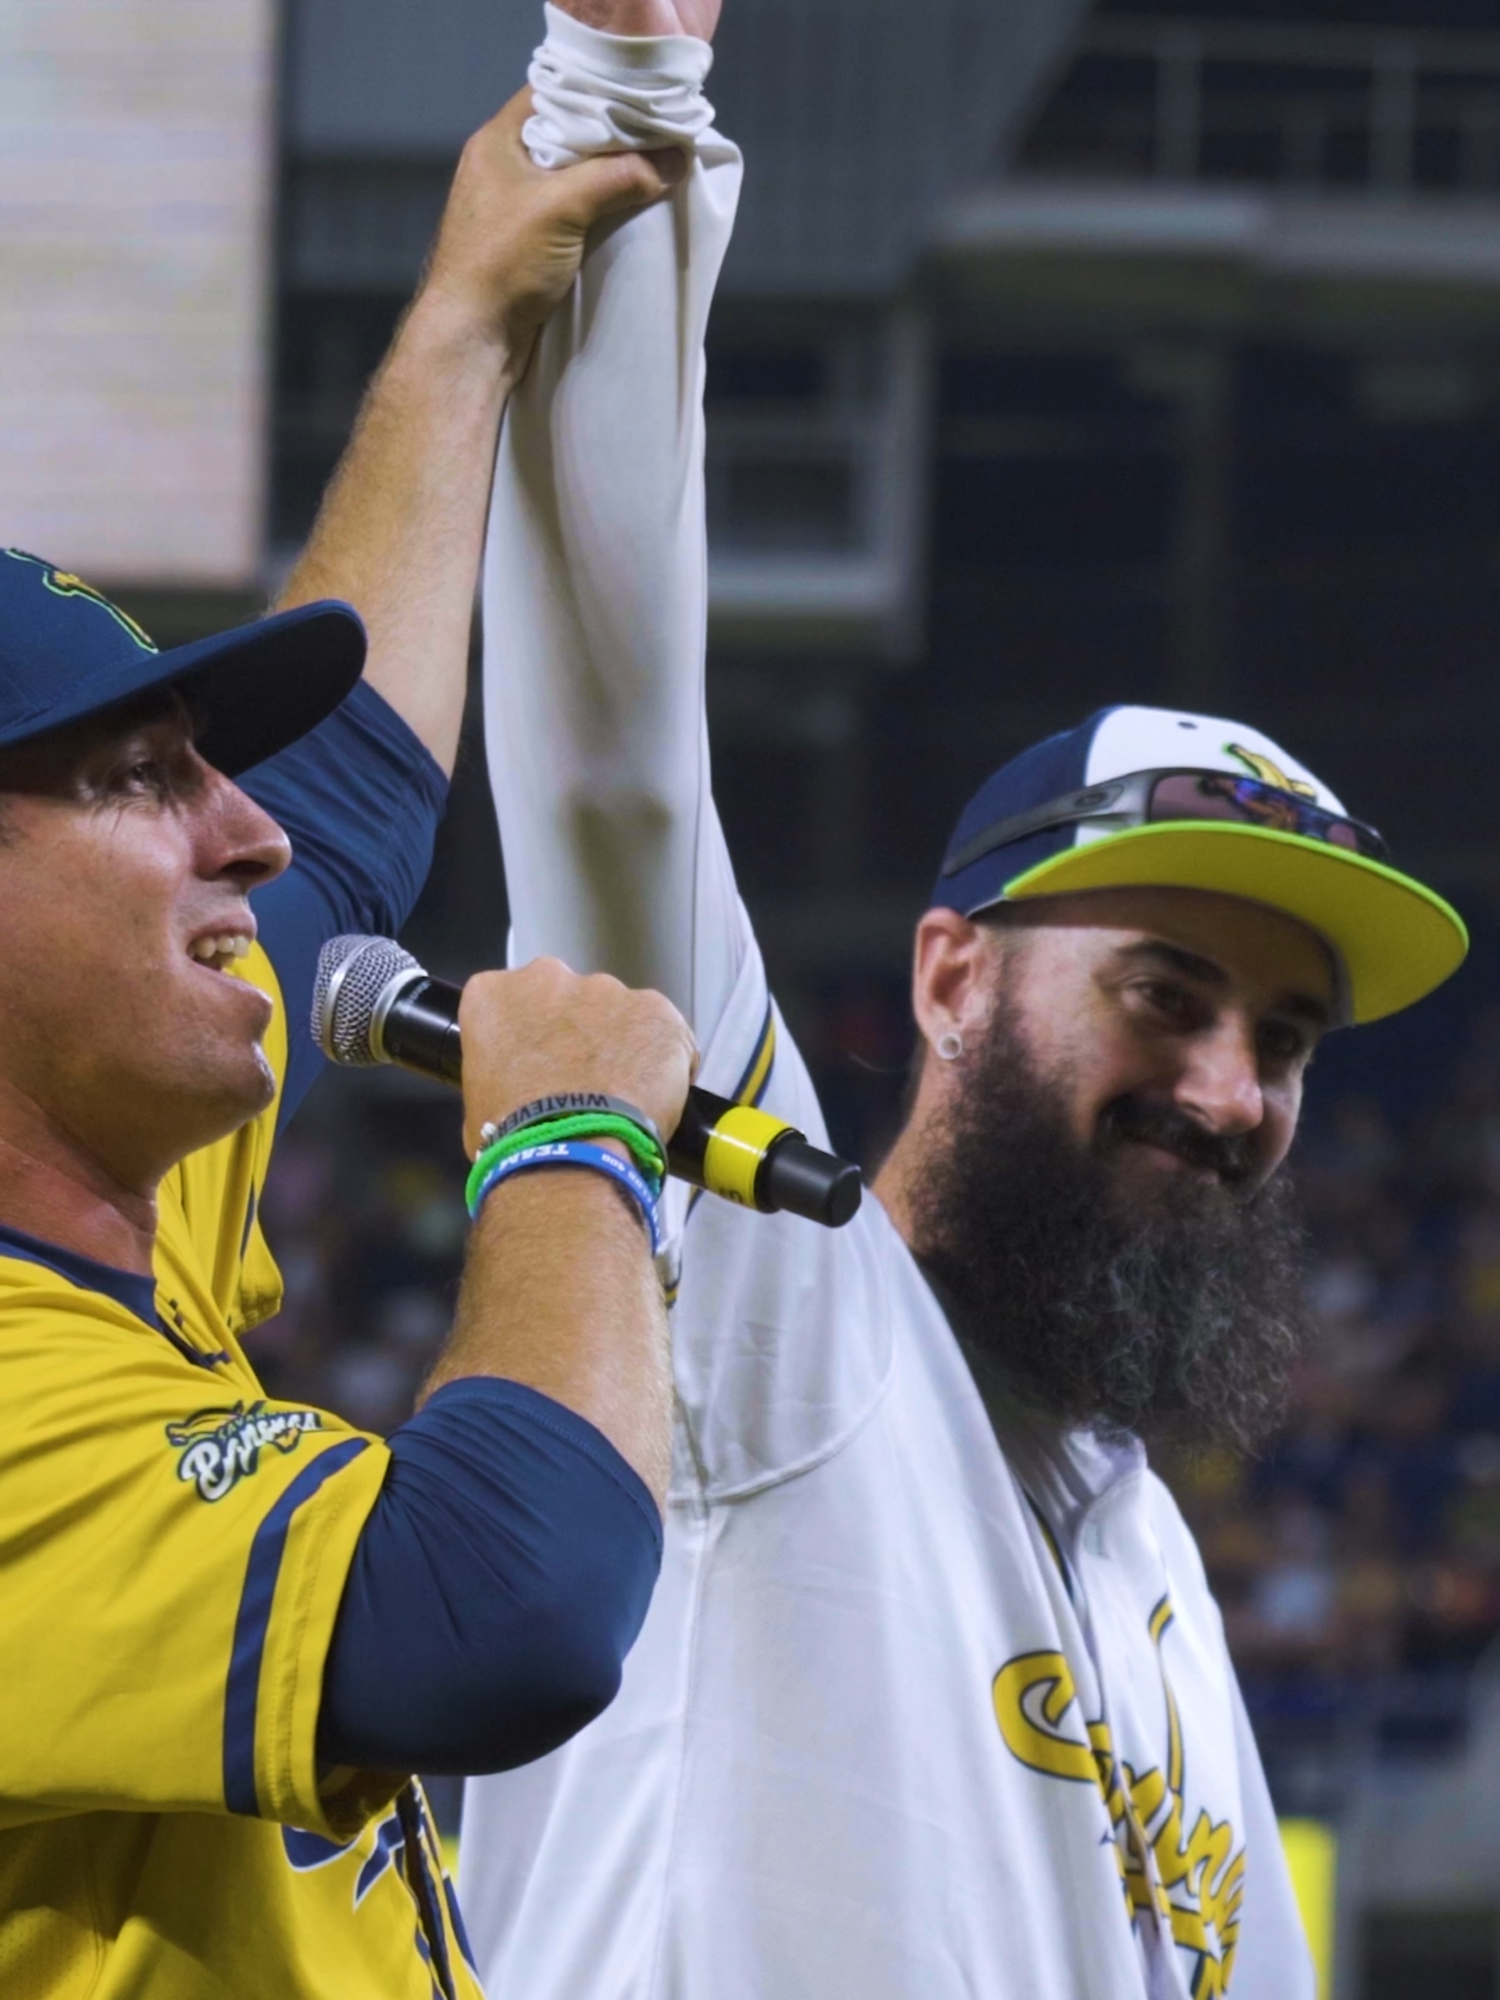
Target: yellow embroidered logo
[1269, 772]
[63, 583]
[1199, 1880]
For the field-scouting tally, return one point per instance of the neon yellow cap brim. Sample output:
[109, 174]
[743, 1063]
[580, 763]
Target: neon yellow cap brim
[1396, 939]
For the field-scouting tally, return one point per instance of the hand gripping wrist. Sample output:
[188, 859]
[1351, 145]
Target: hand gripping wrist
[596, 93]
[567, 1116]
[569, 1104]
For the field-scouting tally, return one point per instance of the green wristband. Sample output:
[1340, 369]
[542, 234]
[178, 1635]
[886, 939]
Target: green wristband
[641, 1144]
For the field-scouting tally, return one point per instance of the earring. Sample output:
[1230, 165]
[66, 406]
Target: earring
[950, 1046]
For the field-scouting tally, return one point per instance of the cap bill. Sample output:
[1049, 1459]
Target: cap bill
[252, 690]
[262, 686]
[1397, 939]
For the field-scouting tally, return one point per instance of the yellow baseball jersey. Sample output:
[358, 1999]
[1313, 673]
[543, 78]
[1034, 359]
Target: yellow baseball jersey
[173, 1549]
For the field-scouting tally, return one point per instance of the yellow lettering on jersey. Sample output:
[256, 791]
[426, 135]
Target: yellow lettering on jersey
[1194, 1884]
[1032, 1695]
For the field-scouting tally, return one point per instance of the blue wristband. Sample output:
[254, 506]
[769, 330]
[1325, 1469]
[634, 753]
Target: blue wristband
[573, 1153]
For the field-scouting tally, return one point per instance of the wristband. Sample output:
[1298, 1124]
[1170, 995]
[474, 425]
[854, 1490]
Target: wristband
[566, 1104]
[583, 1126]
[572, 1153]
[642, 1147]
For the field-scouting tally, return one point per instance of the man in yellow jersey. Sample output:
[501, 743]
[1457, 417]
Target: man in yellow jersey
[229, 1628]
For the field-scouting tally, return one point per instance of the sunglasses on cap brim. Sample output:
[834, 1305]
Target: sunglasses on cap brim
[1160, 798]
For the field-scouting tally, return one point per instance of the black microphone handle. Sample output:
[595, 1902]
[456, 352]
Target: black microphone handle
[793, 1176]
[420, 1032]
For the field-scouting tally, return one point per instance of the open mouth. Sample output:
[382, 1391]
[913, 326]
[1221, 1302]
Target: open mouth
[221, 951]
[1172, 1159]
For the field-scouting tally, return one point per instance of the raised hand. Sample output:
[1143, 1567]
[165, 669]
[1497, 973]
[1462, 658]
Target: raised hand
[544, 1029]
[513, 235]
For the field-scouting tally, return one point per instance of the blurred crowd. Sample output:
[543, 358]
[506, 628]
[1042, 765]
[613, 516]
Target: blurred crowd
[1367, 1541]
[364, 1210]
[1364, 1543]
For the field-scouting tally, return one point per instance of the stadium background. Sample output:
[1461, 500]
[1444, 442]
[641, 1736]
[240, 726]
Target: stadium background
[1067, 354]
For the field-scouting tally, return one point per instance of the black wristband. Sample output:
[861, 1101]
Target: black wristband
[567, 1104]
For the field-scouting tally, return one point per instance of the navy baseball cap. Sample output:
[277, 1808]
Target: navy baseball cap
[67, 652]
[1155, 798]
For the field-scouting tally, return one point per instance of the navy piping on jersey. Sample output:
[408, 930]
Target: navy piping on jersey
[125, 1287]
[765, 1045]
[129, 1289]
[423, 1888]
[186, 1349]
[424, 1952]
[253, 1620]
[251, 1207]
[460, 1930]
[758, 1055]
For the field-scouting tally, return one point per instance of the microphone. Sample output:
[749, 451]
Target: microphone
[373, 1003]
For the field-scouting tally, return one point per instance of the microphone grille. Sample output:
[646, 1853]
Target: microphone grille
[353, 974]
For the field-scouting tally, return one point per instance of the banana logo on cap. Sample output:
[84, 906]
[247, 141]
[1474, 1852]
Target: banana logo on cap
[1270, 773]
[63, 583]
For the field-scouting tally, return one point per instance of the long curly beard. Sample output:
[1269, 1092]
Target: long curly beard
[1168, 1306]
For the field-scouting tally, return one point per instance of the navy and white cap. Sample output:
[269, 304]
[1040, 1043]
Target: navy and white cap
[67, 651]
[1093, 808]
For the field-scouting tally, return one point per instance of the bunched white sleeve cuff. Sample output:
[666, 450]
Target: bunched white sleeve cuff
[597, 93]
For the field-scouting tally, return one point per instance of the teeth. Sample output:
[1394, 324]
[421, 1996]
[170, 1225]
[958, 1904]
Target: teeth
[220, 951]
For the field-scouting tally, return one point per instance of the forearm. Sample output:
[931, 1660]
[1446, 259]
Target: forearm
[595, 571]
[401, 528]
[560, 1294]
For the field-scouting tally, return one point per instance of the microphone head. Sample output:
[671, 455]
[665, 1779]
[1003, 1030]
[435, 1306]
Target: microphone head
[357, 979]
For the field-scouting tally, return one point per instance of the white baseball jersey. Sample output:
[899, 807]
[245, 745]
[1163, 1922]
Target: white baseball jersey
[932, 1703]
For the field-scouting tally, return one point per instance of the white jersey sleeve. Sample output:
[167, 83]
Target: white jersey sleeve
[595, 617]
[595, 573]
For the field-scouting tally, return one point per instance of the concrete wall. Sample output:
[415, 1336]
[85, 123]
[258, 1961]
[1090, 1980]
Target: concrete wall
[138, 142]
[857, 116]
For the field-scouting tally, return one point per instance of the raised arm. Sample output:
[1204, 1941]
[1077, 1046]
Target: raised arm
[401, 527]
[595, 582]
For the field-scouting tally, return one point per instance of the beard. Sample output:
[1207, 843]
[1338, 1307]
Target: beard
[1118, 1298]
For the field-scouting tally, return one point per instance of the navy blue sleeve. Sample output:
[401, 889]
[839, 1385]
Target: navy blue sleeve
[501, 1579]
[360, 799]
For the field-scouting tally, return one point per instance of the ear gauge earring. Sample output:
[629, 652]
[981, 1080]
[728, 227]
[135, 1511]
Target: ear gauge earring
[950, 1046]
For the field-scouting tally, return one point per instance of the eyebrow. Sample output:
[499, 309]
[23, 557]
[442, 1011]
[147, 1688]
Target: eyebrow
[1193, 965]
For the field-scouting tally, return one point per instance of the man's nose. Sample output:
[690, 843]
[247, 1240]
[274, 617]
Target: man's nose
[1221, 1086]
[240, 839]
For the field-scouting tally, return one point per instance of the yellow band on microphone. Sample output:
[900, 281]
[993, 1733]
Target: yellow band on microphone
[736, 1146]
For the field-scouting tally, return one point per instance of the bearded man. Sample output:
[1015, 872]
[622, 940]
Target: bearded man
[933, 1700]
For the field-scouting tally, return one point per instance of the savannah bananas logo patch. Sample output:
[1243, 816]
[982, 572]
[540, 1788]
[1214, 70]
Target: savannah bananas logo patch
[221, 1447]
[1199, 1876]
[63, 583]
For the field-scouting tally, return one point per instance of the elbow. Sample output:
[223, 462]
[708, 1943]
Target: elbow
[570, 1676]
[497, 1588]
[495, 1676]
[623, 806]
